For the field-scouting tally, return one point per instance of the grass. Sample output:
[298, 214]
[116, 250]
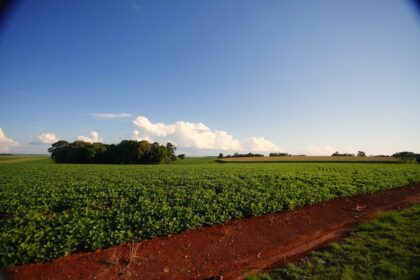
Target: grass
[20, 158]
[312, 159]
[388, 248]
[194, 160]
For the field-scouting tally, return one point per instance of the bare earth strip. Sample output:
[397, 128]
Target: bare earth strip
[233, 250]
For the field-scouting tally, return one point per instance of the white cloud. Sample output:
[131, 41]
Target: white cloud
[325, 150]
[93, 138]
[261, 144]
[48, 138]
[136, 136]
[155, 129]
[6, 143]
[198, 136]
[110, 116]
[189, 135]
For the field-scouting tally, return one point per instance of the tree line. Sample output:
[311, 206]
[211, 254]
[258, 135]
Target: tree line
[235, 155]
[279, 155]
[126, 152]
[407, 157]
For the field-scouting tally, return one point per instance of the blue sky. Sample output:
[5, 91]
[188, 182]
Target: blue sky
[212, 76]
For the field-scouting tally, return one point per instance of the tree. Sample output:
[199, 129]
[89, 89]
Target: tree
[235, 155]
[59, 151]
[128, 152]
[278, 154]
[159, 154]
[220, 155]
[171, 147]
[361, 154]
[181, 156]
[144, 151]
[100, 150]
[407, 157]
[80, 152]
[337, 154]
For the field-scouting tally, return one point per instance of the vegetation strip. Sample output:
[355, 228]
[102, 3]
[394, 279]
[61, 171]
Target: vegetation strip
[21, 159]
[381, 159]
[385, 249]
[50, 210]
[125, 152]
[232, 250]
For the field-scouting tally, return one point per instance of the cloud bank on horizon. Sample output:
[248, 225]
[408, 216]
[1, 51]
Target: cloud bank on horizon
[6, 143]
[195, 138]
[47, 138]
[198, 136]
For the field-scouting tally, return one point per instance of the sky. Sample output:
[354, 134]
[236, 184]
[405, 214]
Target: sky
[303, 77]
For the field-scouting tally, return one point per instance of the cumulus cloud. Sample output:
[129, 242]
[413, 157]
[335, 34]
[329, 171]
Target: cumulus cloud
[198, 136]
[324, 150]
[6, 143]
[110, 116]
[48, 138]
[189, 135]
[155, 129]
[93, 138]
[327, 150]
[136, 136]
[261, 144]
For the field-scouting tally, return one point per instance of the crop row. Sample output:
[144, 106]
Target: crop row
[49, 210]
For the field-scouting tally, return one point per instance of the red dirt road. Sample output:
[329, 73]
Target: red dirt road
[233, 250]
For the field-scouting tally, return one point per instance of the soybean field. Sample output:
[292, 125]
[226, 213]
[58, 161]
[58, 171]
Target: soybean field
[50, 210]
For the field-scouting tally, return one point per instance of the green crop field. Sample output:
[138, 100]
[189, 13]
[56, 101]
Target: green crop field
[14, 159]
[49, 210]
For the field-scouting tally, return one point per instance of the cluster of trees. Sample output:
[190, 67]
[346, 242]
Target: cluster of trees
[337, 154]
[127, 152]
[240, 155]
[359, 154]
[181, 156]
[278, 154]
[408, 157]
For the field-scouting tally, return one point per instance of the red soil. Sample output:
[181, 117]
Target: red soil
[233, 250]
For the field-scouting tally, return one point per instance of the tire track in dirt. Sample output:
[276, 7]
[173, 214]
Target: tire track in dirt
[232, 250]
